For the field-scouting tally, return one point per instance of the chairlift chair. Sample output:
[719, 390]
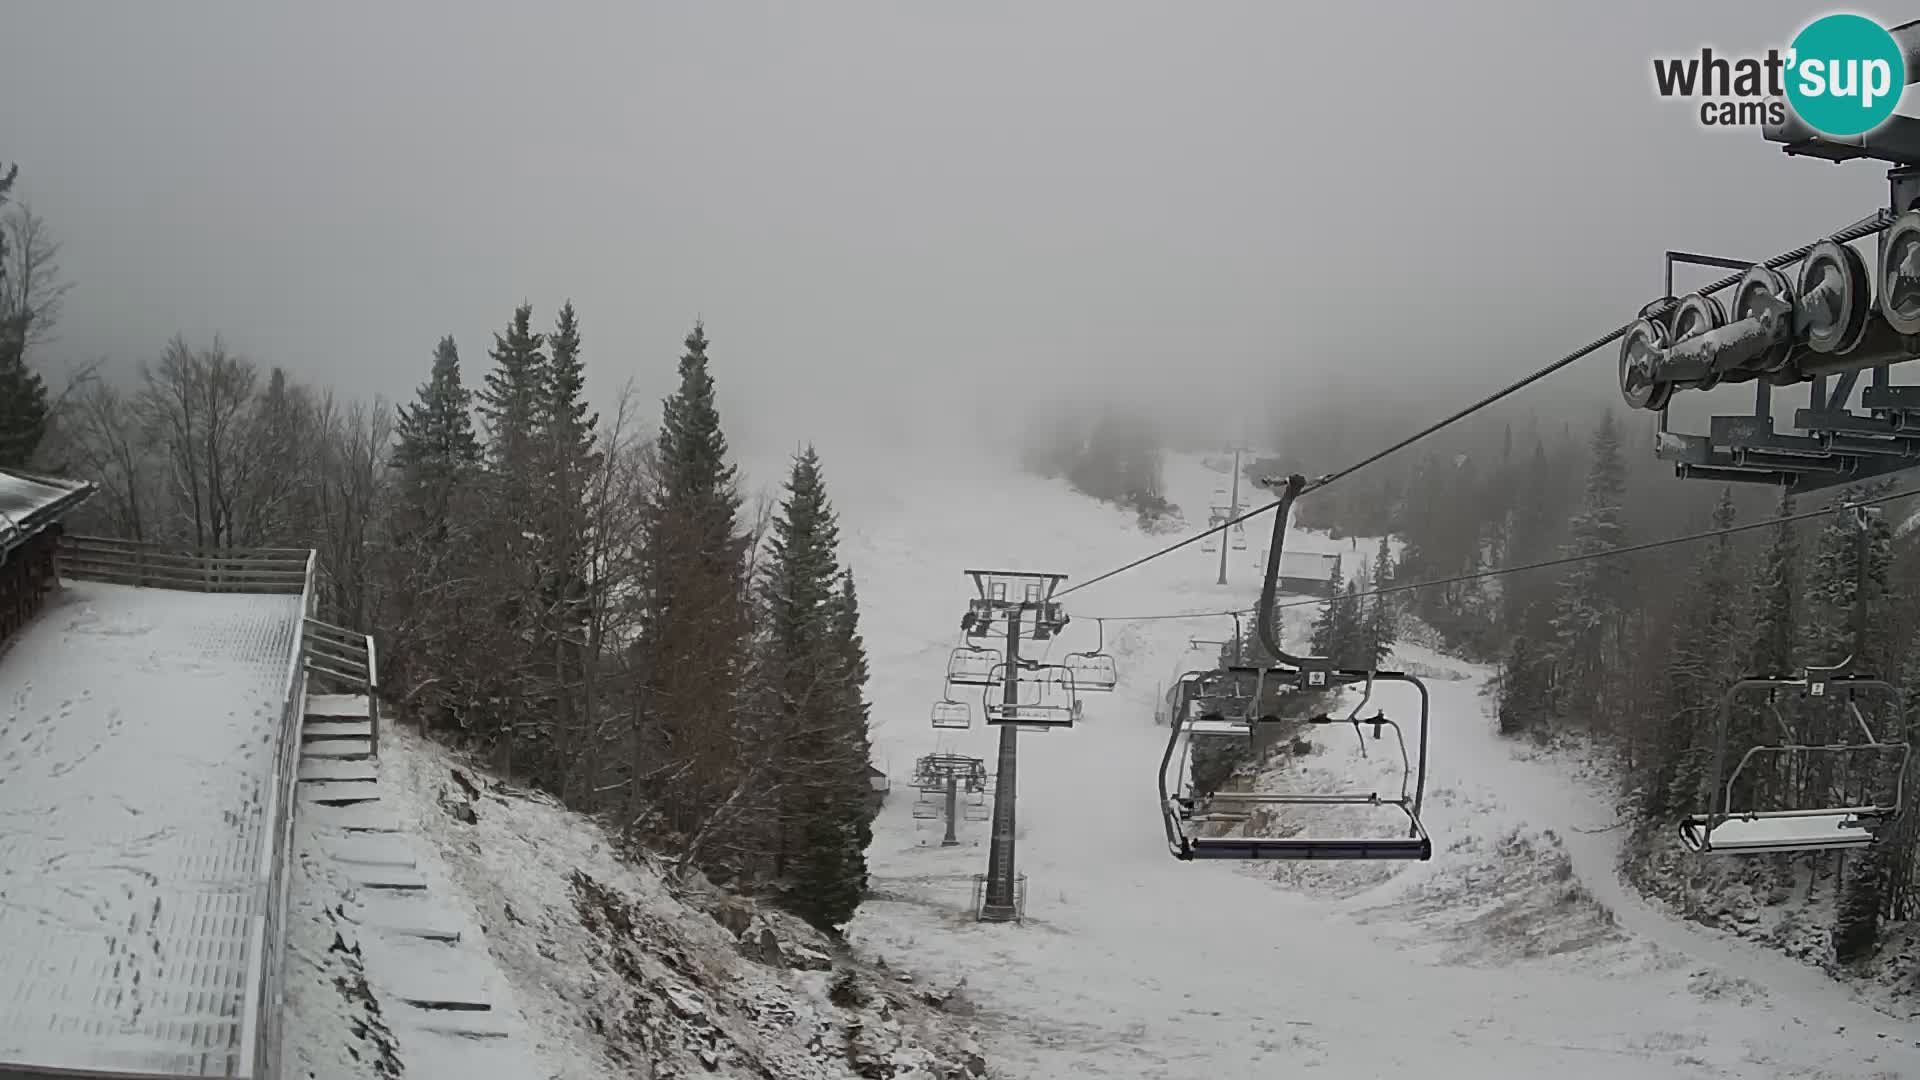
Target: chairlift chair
[972, 666]
[1093, 670]
[953, 715]
[1836, 822]
[976, 807]
[1179, 803]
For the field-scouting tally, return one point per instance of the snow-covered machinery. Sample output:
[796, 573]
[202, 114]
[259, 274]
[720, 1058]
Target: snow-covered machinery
[1822, 325]
[1819, 804]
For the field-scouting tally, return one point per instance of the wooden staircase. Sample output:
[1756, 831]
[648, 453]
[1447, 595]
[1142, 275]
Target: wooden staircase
[436, 983]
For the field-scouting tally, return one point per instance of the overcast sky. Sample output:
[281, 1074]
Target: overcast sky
[875, 206]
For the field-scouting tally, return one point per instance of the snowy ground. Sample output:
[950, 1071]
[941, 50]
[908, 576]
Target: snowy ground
[132, 795]
[1516, 952]
[586, 963]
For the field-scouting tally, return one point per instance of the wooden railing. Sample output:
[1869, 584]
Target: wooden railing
[132, 562]
[346, 659]
[335, 656]
[263, 1022]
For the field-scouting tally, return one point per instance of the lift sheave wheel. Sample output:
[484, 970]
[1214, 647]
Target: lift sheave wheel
[1900, 274]
[1836, 297]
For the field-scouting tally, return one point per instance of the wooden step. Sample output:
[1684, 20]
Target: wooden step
[337, 799]
[466, 1032]
[317, 770]
[338, 706]
[339, 749]
[433, 1005]
[438, 935]
[316, 730]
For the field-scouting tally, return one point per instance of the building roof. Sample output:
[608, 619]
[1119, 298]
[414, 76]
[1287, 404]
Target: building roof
[30, 502]
[1311, 565]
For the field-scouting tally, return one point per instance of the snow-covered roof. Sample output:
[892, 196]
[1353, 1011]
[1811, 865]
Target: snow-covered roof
[28, 503]
[1307, 564]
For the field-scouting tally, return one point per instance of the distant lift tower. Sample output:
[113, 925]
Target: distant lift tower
[1227, 511]
[1015, 606]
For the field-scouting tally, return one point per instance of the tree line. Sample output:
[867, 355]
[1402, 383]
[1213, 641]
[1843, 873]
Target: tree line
[581, 598]
[1637, 651]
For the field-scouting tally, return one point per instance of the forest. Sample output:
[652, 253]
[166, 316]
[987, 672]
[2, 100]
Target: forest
[584, 600]
[1634, 653]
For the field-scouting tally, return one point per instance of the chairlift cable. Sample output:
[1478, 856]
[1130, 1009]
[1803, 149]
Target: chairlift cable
[1873, 223]
[1547, 564]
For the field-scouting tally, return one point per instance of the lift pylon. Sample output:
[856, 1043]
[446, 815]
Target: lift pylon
[1013, 606]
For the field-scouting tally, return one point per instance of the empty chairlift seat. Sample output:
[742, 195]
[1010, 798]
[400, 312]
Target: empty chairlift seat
[1182, 807]
[976, 667]
[1093, 671]
[1728, 827]
[952, 715]
[1035, 717]
[1757, 834]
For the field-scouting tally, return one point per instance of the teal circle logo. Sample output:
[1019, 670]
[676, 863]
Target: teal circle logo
[1847, 75]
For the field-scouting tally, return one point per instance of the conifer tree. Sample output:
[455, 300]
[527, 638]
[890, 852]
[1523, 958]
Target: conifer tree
[1771, 644]
[434, 445]
[816, 660]
[430, 567]
[1326, 639]
[1699, 671]
[1522, 703]
[694, 623]
[511, 403]
[23, 394]
[1381, 631]
[1586, 622]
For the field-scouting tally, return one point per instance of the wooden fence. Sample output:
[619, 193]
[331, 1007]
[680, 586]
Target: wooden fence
[130, 562]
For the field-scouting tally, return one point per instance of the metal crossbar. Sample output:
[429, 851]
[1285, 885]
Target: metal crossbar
[1725, 828]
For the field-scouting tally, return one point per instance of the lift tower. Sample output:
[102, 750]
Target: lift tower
[1015, 606]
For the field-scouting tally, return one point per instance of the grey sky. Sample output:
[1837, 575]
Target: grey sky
[879, 204]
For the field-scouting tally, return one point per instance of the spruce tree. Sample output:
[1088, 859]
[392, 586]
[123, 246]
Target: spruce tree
[1522, 703]
[23, 397]
[434, 443]
[511, 402]
[1586, 622]
[569, 455]
[817, 661]
[1775, 610]
[690, 649]
[1381, 631]
[1700, 668]
[23, 394]
[432, 559]
[1326, 639]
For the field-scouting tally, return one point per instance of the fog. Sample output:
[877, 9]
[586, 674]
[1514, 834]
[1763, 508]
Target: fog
[899, 220]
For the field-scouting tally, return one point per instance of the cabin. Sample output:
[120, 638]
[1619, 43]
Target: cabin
[1307, 573]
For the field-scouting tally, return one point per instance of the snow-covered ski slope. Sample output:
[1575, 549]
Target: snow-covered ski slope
[1516, 952]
